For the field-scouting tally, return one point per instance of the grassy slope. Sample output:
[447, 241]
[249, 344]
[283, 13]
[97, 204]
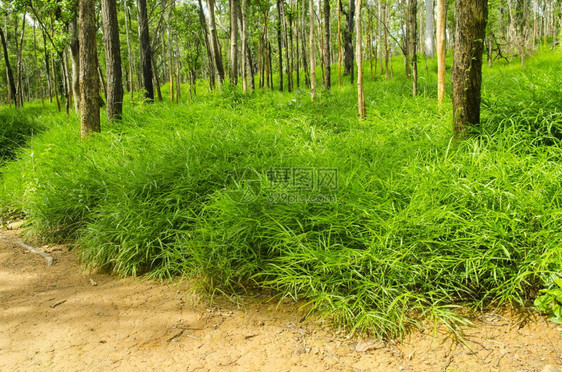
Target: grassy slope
[421, 225]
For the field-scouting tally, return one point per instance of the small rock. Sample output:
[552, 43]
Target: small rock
[16, 225]
[363, 346]
[93, 282]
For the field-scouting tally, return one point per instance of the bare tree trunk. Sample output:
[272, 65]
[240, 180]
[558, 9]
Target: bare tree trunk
[414, 44]
[170, 51]
[11, 82]
[112, 60]
[75, 62]
[89, 87]
[146, 54]
[359, 58]
[339, 43]
[280, 44]
[428, 46]
[327, 41]
[348, 40]
[19, 49]
[312, 50]
[244, 46]
[215, 41]
[233, 42]
[467, 67]
[303, 46]
[208, 46]
[441, 50]
[129, 53]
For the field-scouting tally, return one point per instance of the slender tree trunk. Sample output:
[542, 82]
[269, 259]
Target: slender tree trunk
[339, 43]
[170, 50]
[19, 47]
[303, 46]
[47, 68]
[146, 54]
[359, 58]
[467, 67]
[441, 4]
[327, 41]
[312, 50]
[55, 83]
[428, 45]
[233, 42]
[280, 44]
[208, 46]
[75, 62]
[414, 44]
[348, 40]
[112, 60]
[244, 61]
[129, 53]
[89, 87]
[11, 82]
[215, 39]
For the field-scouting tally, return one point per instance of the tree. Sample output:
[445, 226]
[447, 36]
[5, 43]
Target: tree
[441, 50]
[428, 46]
[348, 40]
[215, 41]
[467, 66]
[326, 53]
[12, 84]
[312, 49]
[280, 44]
[112, 60]
[146, 54]
[359, 59]
[233, 42]
[89, 87]
[413, 44]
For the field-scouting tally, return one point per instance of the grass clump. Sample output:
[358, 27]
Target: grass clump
[417, 227]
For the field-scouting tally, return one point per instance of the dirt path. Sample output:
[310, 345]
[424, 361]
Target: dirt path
[55, 318]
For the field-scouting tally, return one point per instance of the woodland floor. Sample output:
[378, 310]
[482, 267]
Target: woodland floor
[107, 323]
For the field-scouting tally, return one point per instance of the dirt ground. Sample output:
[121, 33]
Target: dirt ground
[60, 318]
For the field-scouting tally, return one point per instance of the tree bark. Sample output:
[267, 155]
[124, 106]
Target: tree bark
[146, 54]
[89, 81]
[327, 41]
[348, 40]
[112, 60]
[414, 44]
[75, 62]
[215, 39]
[129, 53]
[312, 49]
[233, 42]
[428, 46]
[280, 44]
[11, 83]
[467, 66]
[441, 4]
[359, 58]
[208, 45]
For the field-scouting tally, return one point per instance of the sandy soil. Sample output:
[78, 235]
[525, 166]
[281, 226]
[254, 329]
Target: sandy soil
[60, 318]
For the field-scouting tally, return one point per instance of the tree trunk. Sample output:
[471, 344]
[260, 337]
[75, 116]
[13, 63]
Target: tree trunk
[75, 62]
[243, 41]
[312, 50]
[428, 46]
[89, 87]
[19, 67]
[129, 53]
[348, 40]
[327, 41]
[11, 82]
[146, 54]
[280, 45]
[359, 58]
[414, 44]
[467, 66]
[215, 41]
[233, 42]
[441, 50]
[112, 60]
[208, 45]
[339, 43]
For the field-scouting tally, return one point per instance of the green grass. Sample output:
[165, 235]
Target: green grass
[421, 227]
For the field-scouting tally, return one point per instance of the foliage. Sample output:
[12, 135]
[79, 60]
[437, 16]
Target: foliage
[551, 301]
[420, 226]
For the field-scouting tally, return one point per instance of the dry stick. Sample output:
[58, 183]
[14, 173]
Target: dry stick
[50, 260]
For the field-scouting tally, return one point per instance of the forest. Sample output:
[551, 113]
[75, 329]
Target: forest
[383, 163]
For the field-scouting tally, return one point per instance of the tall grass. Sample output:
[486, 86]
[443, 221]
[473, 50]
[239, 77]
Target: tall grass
[419, 226]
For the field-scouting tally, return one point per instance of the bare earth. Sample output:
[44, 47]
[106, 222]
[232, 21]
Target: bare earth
[60, 318]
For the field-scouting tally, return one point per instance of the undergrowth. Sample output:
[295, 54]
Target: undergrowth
[418, 226]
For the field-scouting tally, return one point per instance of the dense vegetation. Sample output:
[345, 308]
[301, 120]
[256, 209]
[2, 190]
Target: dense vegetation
[420, 227]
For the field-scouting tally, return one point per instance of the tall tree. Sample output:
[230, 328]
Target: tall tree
[414, 44]
[208, 46]
[112, 59]
[233, 42]
[74, 47]
[89, 87]
[312, 49]
[326, 53]
[215, 41]
[467, 66]
[359, 58]
[280, 44]
[146, 53]
[11, 82]
[428, 45]
[441, 4]
[348, 39]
